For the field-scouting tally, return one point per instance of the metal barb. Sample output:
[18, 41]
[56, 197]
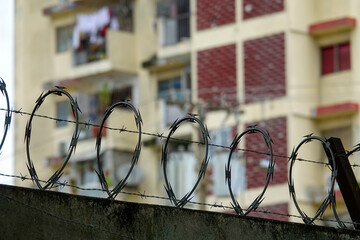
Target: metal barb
[143, 195]
[356, 149]
[8, 112]
[59, 91]
[76, 106]
[227, 173]
[122, 183]
[22, 177]
[2, 85]
[233, 147]
[185, 199]
[328, 200]
[60, 88]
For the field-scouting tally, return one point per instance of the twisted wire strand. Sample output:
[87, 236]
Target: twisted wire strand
[161, 136]
[182, 202]
[114, 192]
[330, 198]
[144, 196]
[269, 176]
[59, 91]
[205, 136]
[8, 113]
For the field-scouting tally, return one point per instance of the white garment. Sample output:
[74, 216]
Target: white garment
[75, 38]
[91, 24]
[114, 24]
[102, 17]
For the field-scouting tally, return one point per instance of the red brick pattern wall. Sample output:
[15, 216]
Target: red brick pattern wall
[255, 175]
[282, 208]
[264, 63]
[256, 8]
[214, 13]
[216, 75]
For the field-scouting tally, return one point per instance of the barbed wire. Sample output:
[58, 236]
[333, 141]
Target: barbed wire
[205, 136]
[162, 136]
[59, 91]
[269, 175]
[144, 196]
[8, 112]
[113, 193]
[330, 198]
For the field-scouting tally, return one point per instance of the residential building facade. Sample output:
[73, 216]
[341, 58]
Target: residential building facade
[285, 66]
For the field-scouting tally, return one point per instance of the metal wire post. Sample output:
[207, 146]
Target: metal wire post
[346, 179]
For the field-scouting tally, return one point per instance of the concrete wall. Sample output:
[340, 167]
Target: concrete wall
[35, 214]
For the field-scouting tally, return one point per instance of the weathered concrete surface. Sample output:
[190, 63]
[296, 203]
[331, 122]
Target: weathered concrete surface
[34, 214]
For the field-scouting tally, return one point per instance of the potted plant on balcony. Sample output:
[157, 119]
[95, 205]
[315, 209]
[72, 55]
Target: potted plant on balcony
[104, 101]
[104, 97]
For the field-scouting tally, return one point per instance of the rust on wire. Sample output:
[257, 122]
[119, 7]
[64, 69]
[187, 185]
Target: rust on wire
[330, 198]
[117, 189]
[54, 179]
[8, 112]
[164, 158]
[255, 204]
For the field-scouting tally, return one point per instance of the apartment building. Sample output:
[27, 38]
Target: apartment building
[286, 66]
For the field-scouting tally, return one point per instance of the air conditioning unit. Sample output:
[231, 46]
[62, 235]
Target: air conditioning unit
[237, 175]
[135, 177]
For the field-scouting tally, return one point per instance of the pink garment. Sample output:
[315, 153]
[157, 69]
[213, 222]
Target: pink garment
[173, 10]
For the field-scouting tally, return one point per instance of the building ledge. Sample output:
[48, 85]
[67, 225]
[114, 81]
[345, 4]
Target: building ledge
[335, 110]
[75, 6]
[62, 8]
[332, 26]
[181, 48]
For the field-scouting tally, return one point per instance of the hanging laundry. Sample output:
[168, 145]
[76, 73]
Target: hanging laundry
[114, 23]
[91, 24]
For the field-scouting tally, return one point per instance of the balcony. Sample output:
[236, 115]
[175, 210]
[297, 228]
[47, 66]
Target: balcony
[119, 56]
[173, 28]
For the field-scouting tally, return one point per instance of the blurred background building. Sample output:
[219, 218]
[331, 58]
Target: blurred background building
[287, 66]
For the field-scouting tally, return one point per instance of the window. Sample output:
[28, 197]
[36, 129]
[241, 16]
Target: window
[62, 112]
[63, 38]
[175, 89]
[335, 58]
[173, 93]
[170, 89]
[174, 21]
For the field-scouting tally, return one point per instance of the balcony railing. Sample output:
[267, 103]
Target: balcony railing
[117, 54]
[173, 30]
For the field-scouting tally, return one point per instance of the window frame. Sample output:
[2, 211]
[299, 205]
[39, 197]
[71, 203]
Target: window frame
[60, 113]
[68, 43]
[339, 61]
